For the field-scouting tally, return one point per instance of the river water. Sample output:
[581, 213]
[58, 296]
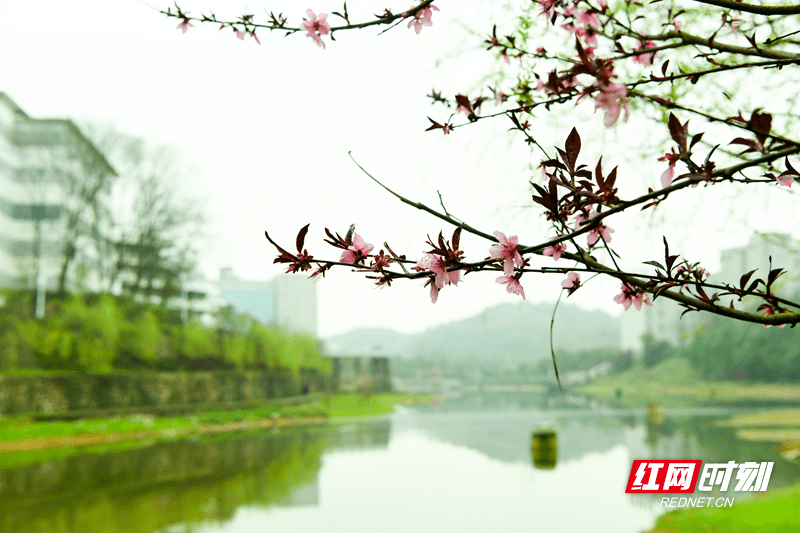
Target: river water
[460, 466]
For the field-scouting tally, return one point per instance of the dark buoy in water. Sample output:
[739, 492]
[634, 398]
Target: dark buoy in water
[655, 414]
[544, 448]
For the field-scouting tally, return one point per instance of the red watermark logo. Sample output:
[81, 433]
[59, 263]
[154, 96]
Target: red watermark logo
[674, 476]
[663, 476]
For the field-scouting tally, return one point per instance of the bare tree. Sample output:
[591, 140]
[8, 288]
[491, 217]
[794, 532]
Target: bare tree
[155, 227]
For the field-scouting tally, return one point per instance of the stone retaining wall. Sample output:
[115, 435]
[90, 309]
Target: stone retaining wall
[83, 395]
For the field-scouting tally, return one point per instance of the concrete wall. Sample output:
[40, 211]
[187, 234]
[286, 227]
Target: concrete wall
[359, 374]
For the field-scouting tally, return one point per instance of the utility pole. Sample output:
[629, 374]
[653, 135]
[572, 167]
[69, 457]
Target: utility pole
[41, 278]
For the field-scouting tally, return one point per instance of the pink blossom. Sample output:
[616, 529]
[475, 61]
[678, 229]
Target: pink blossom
[611, 98]
[587, 33]
[380, 261]
[316, 26]
[185, 25]
[666, 177]
[594, 235]
[631, 295]
[677, 24]
[555, 250]
[436, 264]
[505, 57]
[580, 218]
[600, 231]
[513, 285]
[585, 26]
[786, 179]
[572, 283]
[548, 9]
[447, 128]
[645, 59]
[732, 21]
[320, 271]
[701, 272]
[422, 18]
[434, 291]
[507, 250]
[423, 263]
[461, 109]
[357, 252]
[587, 19]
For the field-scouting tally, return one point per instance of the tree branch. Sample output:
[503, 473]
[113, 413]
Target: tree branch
[753, 8]
[722, 47]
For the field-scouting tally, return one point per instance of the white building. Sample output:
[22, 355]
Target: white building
[663, 321]
[295, 298]
[288, 302]
[200, 299]
[785, 253]
[43, 165]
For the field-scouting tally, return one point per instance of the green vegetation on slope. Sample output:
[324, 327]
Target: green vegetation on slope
[727, 349]
[103, 333]
[774, 512]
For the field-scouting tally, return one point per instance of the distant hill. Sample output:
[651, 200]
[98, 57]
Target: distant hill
[504, 332]
[363, 340]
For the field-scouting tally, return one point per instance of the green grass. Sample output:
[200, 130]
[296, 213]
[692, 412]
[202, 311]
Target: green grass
[674, 383]
[347, 405]
[775, 512]
[334, 406]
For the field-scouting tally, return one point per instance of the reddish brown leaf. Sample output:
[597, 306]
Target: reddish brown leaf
[572, 148]
[679, 132]
[301, 237]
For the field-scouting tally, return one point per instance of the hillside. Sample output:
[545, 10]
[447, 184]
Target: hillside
[503, 332]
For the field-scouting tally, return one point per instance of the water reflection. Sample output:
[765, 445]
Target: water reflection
[455, 467]
[144, 490]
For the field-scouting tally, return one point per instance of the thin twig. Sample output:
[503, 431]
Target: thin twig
[552, 351]
[423, 207]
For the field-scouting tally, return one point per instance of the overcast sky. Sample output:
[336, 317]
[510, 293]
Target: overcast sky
[265, 131]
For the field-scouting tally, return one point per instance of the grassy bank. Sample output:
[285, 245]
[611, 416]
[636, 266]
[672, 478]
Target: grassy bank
[774, 512]
[18, 434]
[674, 383]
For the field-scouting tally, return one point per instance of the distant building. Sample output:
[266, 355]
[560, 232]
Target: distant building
[42, 163]
[785, 253]
[663, 321]
[295, 303]
[255, 299]
[286, 302]
[200, 299]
